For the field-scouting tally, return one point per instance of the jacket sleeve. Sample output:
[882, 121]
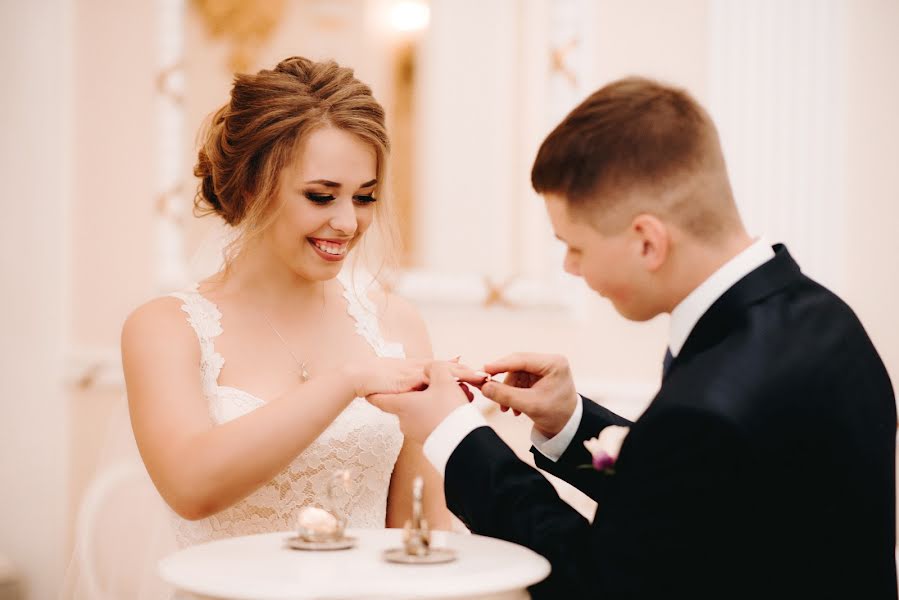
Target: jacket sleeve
[570, 466]
[494, 493]
[677, 475]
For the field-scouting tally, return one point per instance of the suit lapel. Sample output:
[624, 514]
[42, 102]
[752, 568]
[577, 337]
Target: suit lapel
[767, 279]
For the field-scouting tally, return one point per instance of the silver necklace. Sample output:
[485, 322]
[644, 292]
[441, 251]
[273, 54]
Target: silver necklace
[301, 366]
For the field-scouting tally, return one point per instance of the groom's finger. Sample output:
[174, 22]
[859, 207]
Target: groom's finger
[521, 379]
[507, 396]
[530, 362]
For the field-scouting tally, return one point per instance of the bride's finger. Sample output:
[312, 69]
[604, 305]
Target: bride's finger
[468, 375]
[410, 380]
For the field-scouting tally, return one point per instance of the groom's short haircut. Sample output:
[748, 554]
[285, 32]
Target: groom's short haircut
[639, 134]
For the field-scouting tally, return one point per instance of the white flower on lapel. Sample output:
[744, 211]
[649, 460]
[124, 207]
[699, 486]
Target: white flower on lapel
[604, 448]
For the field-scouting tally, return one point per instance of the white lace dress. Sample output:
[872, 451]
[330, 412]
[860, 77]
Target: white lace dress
[362, 438]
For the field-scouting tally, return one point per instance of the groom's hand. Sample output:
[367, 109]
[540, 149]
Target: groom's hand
[538, 385]
[421, 412]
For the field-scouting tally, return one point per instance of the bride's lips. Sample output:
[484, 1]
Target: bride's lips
[340, 248]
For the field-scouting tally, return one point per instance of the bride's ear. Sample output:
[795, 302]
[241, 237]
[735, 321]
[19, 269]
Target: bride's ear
[652, 237]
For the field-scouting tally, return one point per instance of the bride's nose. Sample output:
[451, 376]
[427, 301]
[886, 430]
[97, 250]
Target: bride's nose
[344, 218]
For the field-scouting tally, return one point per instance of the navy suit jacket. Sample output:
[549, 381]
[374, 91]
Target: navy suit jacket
[763, 468]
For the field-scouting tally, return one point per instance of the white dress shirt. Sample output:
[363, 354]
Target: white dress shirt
[462, 421]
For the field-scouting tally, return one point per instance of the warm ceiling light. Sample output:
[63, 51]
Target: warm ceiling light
[409, 15]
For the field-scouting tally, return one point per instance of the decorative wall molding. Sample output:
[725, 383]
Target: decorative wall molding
[171, 264]
[511, 293]
[245, 24]
[510, 93]
[94, 369]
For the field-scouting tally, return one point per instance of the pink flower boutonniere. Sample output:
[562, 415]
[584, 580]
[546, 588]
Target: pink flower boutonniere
[604, 449]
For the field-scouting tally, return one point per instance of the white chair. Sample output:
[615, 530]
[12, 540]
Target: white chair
[122, 529]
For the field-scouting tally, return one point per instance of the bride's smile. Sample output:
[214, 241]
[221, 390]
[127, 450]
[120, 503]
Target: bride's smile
[330, 249]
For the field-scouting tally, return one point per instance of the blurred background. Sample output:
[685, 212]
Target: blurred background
[102, 101]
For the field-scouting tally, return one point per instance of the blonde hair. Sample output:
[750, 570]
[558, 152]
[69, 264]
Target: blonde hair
[251, 139]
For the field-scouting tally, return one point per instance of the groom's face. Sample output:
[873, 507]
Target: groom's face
[609, 262]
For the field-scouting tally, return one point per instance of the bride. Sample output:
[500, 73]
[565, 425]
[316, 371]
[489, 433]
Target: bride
[247, 391]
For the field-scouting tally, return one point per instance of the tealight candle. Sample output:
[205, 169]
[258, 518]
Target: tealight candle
[317, 523]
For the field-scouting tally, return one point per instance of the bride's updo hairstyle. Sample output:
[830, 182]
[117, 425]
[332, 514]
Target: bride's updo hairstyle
[252, 138]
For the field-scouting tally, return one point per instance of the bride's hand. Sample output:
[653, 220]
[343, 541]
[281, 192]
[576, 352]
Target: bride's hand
[399, 375]
[385, 376]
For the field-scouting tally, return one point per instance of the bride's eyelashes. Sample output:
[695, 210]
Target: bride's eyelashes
[318, 198]
[322, 199]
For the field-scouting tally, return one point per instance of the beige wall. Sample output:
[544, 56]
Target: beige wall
[872, 158]
[35, 120]
[671, 45]
[114, 166]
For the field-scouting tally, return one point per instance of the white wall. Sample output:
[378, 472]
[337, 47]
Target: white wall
[35, 59]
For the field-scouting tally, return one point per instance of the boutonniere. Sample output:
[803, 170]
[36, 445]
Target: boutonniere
[604, 448]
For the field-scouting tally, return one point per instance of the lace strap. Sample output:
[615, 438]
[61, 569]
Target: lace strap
[365, 314]
[205, 319]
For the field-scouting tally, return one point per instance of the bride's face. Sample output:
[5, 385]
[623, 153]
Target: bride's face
[326, 203]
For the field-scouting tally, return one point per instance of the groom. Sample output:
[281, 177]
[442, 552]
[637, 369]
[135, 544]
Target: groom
[764, 466]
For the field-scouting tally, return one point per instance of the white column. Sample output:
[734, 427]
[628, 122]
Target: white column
[487, 103]
[35, 153]
[776, 81]
[171, 268]
[468, 111]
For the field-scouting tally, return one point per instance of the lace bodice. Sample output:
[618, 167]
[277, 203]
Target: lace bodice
[362, 438]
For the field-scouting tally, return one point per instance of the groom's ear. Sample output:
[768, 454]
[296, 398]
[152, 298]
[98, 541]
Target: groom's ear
[652, 240]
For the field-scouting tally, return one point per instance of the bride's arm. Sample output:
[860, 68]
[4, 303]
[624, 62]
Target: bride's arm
[198, 467]
[402, 323]
[412, 462]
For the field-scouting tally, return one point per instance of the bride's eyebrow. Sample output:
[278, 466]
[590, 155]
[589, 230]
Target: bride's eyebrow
[325, 182]
[333, 184]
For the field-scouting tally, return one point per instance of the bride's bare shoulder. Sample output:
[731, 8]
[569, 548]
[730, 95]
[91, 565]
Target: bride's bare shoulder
[160, 320]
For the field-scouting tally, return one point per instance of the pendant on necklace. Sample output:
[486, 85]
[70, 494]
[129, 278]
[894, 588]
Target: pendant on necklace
[304, 374]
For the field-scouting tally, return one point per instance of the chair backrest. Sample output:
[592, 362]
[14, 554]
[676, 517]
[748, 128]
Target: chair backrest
[122, 529]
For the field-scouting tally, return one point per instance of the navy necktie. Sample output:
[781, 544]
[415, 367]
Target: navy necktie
[666, 363]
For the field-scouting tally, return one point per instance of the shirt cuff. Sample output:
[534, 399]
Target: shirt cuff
[553, 448]
[449, 433]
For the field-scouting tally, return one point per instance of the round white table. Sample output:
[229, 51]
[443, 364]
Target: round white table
[262, 567]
